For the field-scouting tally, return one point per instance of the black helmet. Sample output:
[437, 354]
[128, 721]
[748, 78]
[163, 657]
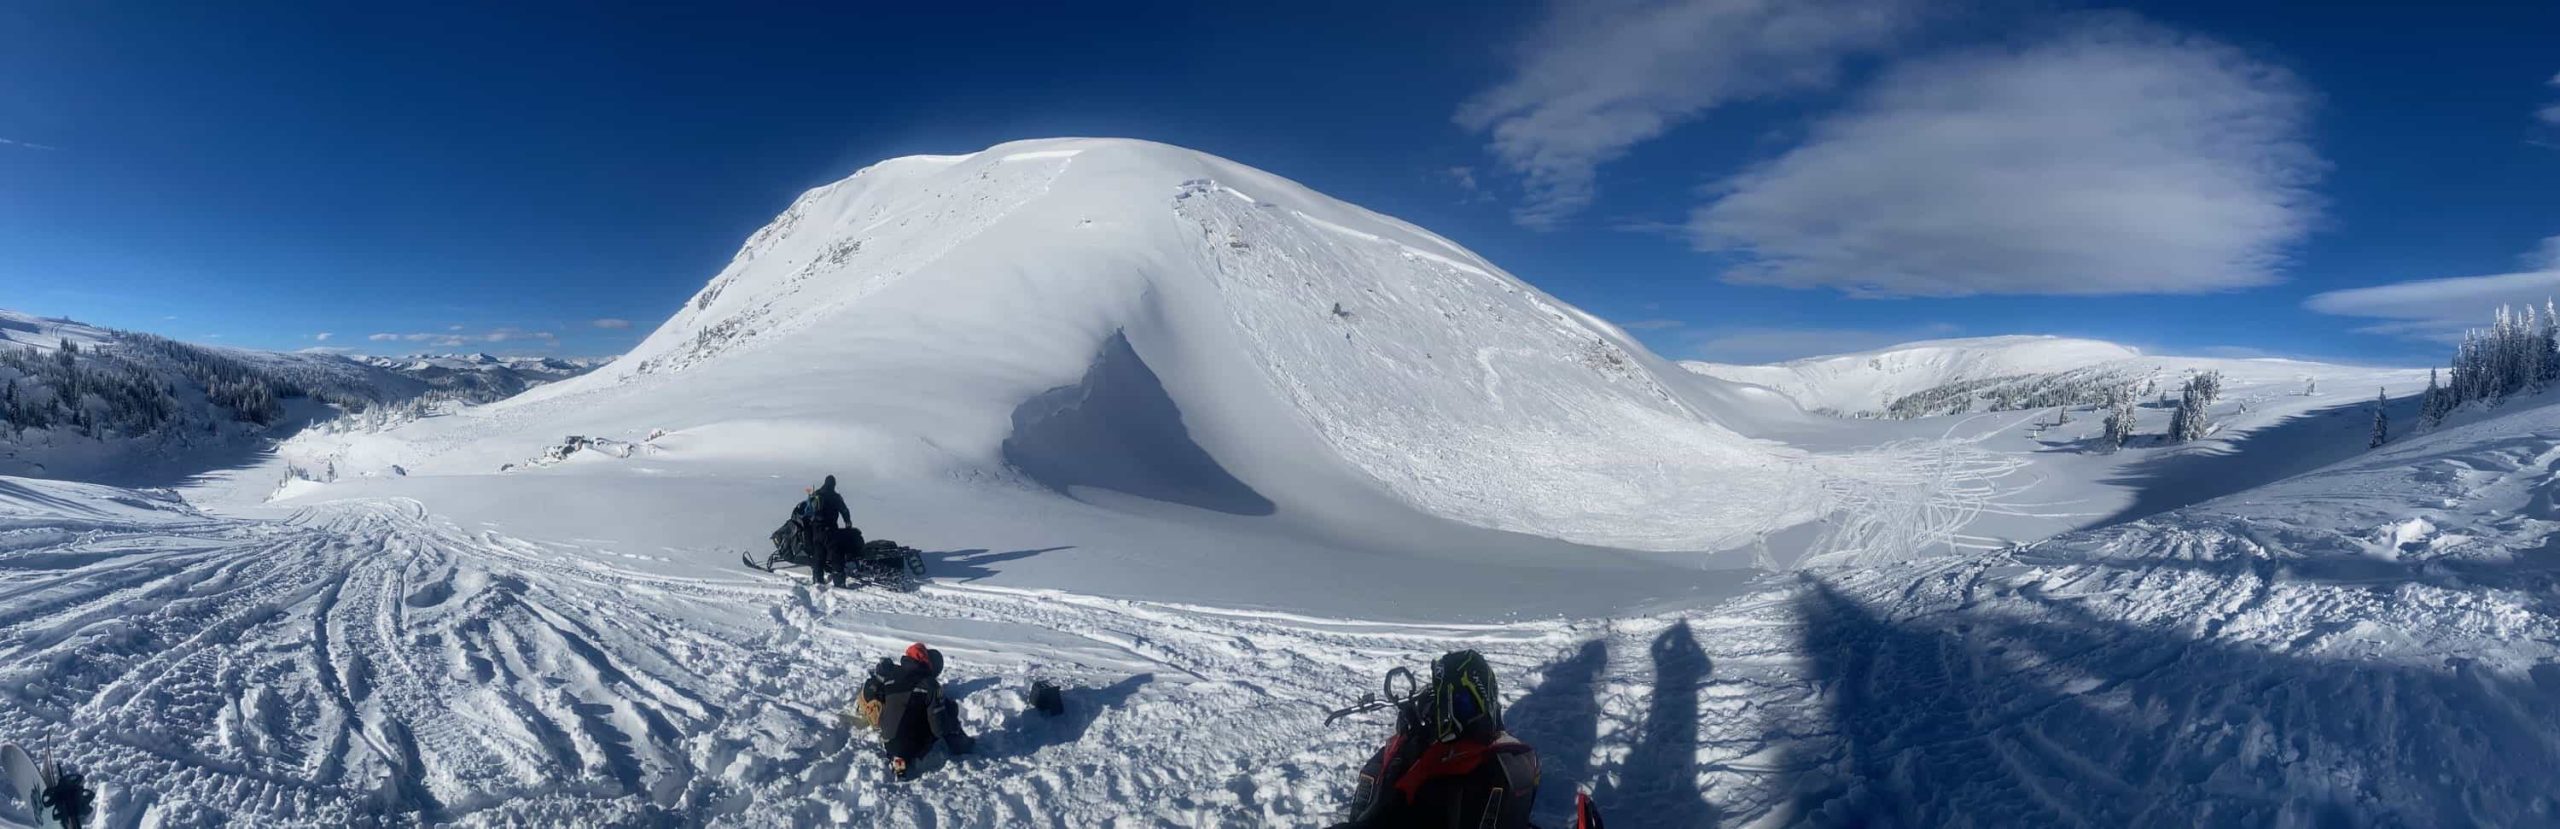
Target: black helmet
[1465, 701]
[830, 485]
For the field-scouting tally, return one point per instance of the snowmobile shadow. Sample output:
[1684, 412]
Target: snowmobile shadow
[1030, 731]
[1994, 716]
[1561, 718]
[971, 565]
[1660, 777]
[2305, 442]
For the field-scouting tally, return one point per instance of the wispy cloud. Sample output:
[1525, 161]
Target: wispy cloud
[10, 142]
[2549, 114]
[2544, 256]
[1469, 187]
[451, 339]
[1651, 325]
[1601, 76]
[1754, 345]
[322, 336]
[2437, 310]
[2117, 158]
[611, 323]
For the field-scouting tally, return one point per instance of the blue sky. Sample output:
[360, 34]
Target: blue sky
[1735, 179]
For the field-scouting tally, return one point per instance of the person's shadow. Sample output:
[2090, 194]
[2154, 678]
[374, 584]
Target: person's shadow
[1660, 777]
[1561, 718]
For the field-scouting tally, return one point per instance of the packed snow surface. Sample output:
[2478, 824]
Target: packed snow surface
[1214, 452]
[2369, 643]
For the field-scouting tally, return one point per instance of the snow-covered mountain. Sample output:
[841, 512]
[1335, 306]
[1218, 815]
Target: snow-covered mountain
[1973, 374]
[1869, 380]
[83, 402]
[1113, 318]
[482, 378]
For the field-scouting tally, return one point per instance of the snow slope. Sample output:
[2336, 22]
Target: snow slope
[1867, 380]
[2372, 643]
[1106, 319]
[1865, 383]
[139, 409]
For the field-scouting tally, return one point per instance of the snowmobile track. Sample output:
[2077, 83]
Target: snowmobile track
[366, 663]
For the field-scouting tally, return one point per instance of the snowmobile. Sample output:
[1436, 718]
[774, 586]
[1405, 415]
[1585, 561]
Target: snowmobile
[878, 562]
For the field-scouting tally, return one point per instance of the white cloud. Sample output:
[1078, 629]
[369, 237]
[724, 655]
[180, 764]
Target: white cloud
[322, 336]
[2544, 256]
[449, 339]
[1651, 325]
[1601, 76]
[611, 323]
[27, 144]
[1751, 346]
[2438, 310]
[2116, 158]
[2550, 113]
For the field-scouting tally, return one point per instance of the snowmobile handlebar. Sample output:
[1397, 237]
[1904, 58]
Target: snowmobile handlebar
[1407, 703]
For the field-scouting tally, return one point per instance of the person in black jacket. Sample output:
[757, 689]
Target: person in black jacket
[825, 513]
[1450, 763]
[903, 700]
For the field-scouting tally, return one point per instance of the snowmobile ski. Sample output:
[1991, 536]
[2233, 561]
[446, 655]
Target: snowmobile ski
[26, 784]
[760, 565]
[35, 787]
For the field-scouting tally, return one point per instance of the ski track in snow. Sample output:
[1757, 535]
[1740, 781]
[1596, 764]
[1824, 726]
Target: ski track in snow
[366, 663]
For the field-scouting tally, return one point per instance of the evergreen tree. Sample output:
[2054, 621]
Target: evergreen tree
[2120, 418]
[2182, 419]
[2189, 422]
[2433, 406]
[2209, 385]
[2381, 420]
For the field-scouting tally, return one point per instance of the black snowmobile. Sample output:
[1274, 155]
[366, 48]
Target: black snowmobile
[877, 562]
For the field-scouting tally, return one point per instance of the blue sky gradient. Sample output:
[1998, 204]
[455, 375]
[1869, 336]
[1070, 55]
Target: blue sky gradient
[493, 177]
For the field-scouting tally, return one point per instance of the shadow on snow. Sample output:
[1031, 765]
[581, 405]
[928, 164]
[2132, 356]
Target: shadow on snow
[1964, 718]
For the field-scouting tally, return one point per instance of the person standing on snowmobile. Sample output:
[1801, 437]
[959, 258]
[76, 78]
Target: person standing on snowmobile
[826, 511]
[903, 700]
[1450, 763]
